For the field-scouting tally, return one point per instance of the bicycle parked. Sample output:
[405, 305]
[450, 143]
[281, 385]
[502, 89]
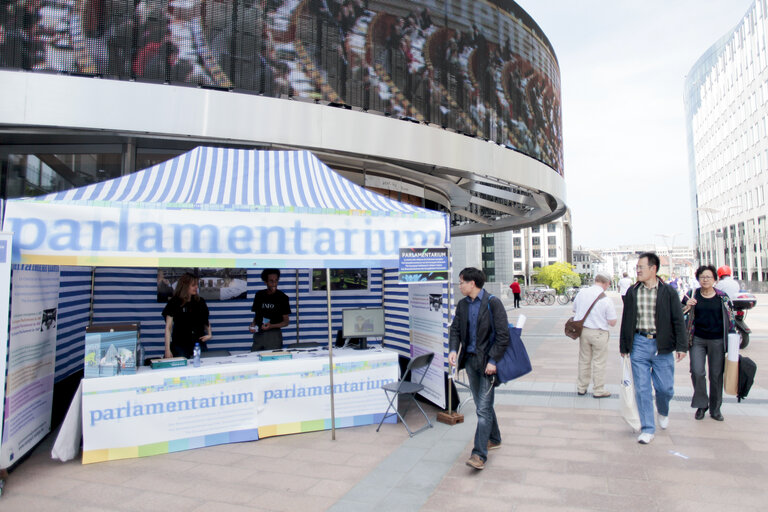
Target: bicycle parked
[567, 296]
[539, 296]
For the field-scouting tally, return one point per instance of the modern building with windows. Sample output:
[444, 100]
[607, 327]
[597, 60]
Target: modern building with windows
[452, 105]
[726, 102]
[515, 254]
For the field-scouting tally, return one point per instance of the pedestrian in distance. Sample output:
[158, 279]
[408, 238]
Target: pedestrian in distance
[726, 283]
[479, 319]
[624, 283]
[515, 286]
[652, 330]
[593, 342]
[708, 328]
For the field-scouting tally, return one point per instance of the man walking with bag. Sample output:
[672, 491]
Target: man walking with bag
[652, 328]
[478, 320]
[600, 314]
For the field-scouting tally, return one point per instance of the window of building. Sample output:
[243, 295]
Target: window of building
[535, 229]
[551, 228]
[536, 264]
[552, 253]
[516, 241]
[537, 253]
[518, 266]
[535, 241]
[552, 240]
[45, 172]
[518, 253]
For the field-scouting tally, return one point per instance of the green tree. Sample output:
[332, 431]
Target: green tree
[559, 276]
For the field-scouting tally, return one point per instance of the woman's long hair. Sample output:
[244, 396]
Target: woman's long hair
[182, 288]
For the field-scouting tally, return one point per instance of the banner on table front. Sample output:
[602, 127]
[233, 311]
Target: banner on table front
[156, 412]
[300, 401]
[135, 236]
[31, 359]
[427, 306]
[157, 408]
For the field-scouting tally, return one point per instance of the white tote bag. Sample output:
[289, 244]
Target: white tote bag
[627, 392]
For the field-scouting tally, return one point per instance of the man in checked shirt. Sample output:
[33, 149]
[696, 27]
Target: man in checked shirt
[652, 328]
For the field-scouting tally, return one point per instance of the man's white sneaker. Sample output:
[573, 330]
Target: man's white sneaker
[645, 438]
[663, 422]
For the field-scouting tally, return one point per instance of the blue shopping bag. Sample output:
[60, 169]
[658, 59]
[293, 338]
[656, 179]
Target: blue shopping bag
[515, 361]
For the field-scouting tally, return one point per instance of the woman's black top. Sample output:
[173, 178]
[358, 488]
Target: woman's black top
[708, 317]
[189, 323]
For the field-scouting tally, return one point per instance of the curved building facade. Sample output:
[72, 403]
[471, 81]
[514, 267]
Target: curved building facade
[450, 104]
[726, 101]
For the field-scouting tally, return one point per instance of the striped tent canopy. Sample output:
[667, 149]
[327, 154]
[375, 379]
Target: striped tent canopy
[222, 207]
[236, 178]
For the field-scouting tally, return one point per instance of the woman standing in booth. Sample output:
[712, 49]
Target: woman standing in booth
[186, 319]
[708, 338]
[271, 313]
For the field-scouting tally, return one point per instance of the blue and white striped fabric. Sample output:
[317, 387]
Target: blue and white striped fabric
[238, 179]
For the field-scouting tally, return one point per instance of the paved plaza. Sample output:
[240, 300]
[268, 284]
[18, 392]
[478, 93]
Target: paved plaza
[560, 452]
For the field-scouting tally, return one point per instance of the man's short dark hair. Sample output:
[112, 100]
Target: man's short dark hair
[703, 268]
[268, 272]
[653, 260]
[473, 274]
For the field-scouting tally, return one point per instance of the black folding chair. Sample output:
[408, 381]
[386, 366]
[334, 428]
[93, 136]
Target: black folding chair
[406, 388]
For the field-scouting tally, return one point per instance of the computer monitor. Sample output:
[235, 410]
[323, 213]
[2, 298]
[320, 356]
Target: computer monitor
[362, 323]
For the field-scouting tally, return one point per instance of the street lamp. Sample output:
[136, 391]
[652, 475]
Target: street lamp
[712, 215]
[669, 250]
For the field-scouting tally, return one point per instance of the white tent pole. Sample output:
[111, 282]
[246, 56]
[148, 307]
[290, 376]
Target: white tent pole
[330, 350]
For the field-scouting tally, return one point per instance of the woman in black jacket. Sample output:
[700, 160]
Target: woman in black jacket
[186, 319]
[710, 318]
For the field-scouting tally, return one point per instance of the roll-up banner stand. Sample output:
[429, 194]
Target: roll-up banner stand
[5, 301]
[31, 359]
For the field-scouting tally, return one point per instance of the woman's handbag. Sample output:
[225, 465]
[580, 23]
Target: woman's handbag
[689, 319]
[731, 377]
[627, 392]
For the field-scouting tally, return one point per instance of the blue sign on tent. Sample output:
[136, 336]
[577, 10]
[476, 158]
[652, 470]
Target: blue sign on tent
[423, 264]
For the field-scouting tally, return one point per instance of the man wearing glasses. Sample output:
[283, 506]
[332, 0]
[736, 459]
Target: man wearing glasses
[479, 318]
[652, 328]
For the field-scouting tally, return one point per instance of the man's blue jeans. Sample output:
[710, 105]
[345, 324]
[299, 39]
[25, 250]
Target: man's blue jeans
[482, 392]
[648, 365]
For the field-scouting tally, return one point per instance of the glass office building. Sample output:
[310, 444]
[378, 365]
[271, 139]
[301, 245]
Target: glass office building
[453, 105]
[726, 102]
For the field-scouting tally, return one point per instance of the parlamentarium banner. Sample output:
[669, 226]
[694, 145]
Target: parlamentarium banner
[162, 411]
[161, 235]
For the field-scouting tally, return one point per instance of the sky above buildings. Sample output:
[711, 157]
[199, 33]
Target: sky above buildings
[622, 67]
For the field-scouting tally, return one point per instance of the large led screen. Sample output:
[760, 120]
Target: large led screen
[483, 68]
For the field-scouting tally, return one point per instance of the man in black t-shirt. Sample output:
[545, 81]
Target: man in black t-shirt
[271, 312]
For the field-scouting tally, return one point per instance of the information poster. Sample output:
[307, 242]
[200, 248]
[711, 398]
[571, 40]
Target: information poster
[5, 300]
[426, 305]
[423, 264]
[31, 359]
